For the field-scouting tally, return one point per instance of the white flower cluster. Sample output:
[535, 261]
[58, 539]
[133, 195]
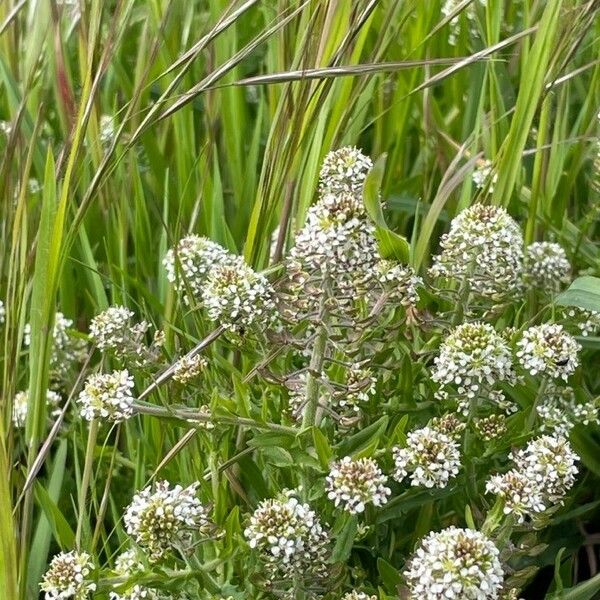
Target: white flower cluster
[483, 248]
[107, 127]
[343, 171]
[128, 563]
[66, 349]
[560, 411]
[337, 245]
[522, 497]
[161, 518]
[191, 261]
[473, 356]
[107, 396]
[546, 267]
[21, 403]
[289, 538]
[355, 483]
[188, 368]
[484, 176]
[2, 312]
[455, 563]
[68, 577]
[233, 293]
[399, 281]
[359, 387]
[237, 297]
[448, 424]
[548, 350]
[544, 472]
[354, 595]
[431, 457]
[113, 330]
[587, 321]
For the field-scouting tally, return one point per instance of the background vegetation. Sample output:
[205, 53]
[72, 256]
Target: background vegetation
[131, 123]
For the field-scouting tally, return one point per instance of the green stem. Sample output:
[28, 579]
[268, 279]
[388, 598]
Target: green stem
[145, 408]
[85, 480]
[312, 380]
[538, 397]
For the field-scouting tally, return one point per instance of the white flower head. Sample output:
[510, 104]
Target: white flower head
[107, 396]
[66, 350]
[473, 356]
[484, 247]
[190, 262]
[548, 350]
[491, 427]
[399, 281]
[484, 176]
[431, 457]
[344, 170]
[560, 411]
[68, 577]
[587, 321]
[549, 462]
[354, 595]
[288, 537]
[355, 483]
[455, 563]
[161, 518]
[237, 297]
[522, 496]
[189, 368]
[546, 266]
[21, 403]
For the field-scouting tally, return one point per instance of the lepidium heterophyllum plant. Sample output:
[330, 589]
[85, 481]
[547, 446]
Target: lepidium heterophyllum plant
[346, 428]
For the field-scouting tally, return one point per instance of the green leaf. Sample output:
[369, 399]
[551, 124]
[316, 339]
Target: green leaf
[390, 576]
[363, 438]
[345, 541]
[391, 245]
[324, 451]
[588, 590]
[60, 526]
[584, 293]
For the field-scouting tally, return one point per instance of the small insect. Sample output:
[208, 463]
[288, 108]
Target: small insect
[562, 362]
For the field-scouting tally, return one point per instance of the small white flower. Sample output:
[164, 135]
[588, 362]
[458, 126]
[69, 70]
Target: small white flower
[546, 267]
[455, 563]
[67, 577]
[2, 312]
[161, 518]
[399, 281]
[588, 321]
[548, 350]
[483, 248]
[355, 483]
[107, 396]
[431, 457]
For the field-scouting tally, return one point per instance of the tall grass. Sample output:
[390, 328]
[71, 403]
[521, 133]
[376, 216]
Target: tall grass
[221, 113]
